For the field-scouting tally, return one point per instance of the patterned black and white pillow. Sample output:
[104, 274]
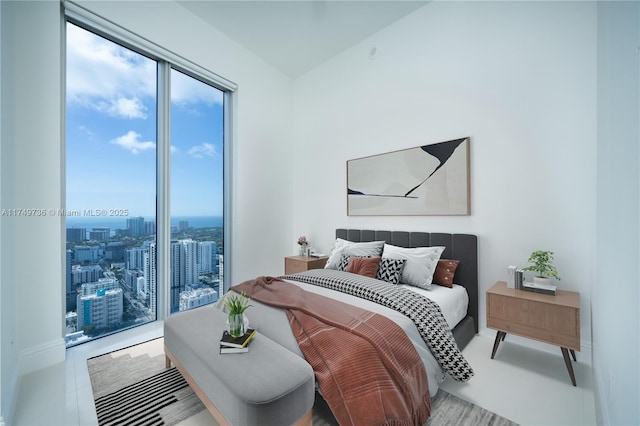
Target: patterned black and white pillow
[390, 270]
[344, 262]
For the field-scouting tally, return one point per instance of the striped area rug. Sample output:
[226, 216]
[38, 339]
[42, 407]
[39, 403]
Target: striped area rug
[133, 387]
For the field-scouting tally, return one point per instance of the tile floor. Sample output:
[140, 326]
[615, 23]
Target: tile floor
[528, 386]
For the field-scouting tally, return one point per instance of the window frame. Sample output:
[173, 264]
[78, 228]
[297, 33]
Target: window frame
[166, 61]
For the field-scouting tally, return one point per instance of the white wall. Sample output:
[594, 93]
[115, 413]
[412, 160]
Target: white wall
[32, 168]
[518, 78]
[32, 309]
[616, 294]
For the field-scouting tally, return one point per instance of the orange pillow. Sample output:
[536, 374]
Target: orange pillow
[445, 271]
[367, 266]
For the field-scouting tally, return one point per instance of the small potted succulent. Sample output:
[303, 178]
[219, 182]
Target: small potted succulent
[236, 304]
[542, 263]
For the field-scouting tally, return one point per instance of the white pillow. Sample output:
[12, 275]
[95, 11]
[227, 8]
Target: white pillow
[349, 248]
[420, 265]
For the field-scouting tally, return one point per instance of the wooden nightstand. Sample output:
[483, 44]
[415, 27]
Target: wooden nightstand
[549, 319]
[294, 264]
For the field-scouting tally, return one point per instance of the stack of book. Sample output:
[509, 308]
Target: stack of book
[515, 277]
[234, 345]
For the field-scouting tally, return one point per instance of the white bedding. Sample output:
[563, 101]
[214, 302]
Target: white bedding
[453, 301]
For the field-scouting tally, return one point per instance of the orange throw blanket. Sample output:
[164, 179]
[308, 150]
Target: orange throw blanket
[367, 368]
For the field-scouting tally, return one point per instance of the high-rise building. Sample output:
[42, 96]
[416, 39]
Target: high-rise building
[183, 268]
[101, 284]
[150, 276]
[82, 254]
[70, 287]
[135, 257]
[136, 226]
[115, 251]
[183, 225]
[131, 279]
[190, 248]
[177, 274]
[76, 235]
[85, 274]
[198, 297]
[149, 228]
[100, 234]
[141, 288]
[206, 257]
[100, 304]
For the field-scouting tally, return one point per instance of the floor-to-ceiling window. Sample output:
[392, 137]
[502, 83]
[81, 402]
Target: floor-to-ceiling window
[145, 142]
[197, 136]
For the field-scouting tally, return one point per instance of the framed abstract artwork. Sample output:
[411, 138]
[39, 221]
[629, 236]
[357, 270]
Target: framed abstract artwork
[425, 180]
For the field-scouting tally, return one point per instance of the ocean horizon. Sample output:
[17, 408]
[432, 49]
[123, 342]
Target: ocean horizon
[114, 223]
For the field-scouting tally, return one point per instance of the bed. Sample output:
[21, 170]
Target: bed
[273, 323]
[462, 247]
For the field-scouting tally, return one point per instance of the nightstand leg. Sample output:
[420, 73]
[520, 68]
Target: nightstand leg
[573, 355]
[567, 361]
[499, 337]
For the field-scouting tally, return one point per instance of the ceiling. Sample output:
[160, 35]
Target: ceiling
[296, 36]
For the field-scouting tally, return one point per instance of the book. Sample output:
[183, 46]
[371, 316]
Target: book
[515, 277]
[511, 276]
[237, 342]
[519, 278]
[232, 350]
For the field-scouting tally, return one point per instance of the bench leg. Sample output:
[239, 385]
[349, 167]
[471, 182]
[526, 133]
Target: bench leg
[306, 420]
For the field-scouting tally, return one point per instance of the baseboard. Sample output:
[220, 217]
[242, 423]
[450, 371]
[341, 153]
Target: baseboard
[42, 356]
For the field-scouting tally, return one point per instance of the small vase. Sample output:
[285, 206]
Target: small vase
[236, 324]
[303, 250]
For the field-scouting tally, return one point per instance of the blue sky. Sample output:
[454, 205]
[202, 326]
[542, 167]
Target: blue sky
[111, 133]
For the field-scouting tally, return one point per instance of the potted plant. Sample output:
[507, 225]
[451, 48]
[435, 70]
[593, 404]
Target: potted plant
[541, 262]
[236, 304]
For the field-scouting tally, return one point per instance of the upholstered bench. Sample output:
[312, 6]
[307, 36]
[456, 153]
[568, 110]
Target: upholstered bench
[269, 385]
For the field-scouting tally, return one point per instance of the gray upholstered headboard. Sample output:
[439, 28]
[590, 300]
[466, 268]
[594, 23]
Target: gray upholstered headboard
[462, 247]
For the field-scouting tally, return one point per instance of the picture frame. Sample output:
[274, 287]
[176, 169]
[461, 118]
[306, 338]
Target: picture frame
[431, 179]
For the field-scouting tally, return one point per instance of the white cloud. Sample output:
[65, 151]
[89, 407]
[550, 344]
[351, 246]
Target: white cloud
[123, 107]
[202, 150]
[131, 141]
[106, 76]
[187, 90]
[109, 78]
